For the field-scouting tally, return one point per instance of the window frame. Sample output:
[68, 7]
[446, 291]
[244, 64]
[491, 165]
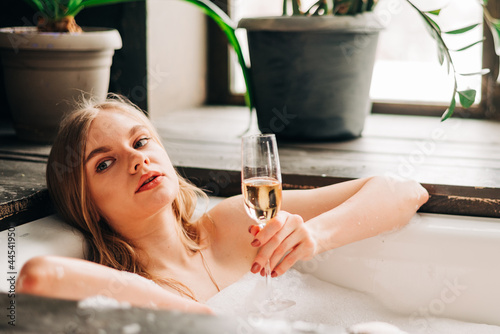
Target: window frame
[219, 91]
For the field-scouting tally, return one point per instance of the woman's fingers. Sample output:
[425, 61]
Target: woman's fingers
[268, 238]
[284, 234]
[272, 228]
[254, 229]
[299, 244]
[303, 251]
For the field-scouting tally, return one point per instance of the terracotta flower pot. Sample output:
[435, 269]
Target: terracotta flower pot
[45, 73]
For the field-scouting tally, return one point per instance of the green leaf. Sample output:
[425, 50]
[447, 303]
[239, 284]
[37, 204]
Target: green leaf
[433, 29]
[93, 3]
[354, 7]
[434, 23]
[447, 114]
[441, 56]
[468, 46]
[495, 31]
[56, 6]
[435, 32]
[467, 97]
[461, 30]
[228, 27]
[433, 12]
[482, 72]
[318, 8]
[50, 9]
[369, 5]
[73, 4]
[363, 7]
[295, 7]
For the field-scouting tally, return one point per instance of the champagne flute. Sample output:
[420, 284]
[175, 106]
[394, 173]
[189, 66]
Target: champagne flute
[261, 188]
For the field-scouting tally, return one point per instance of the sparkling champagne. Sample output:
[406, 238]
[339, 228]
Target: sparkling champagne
[262, 198]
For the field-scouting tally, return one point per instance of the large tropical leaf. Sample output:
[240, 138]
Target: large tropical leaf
[228, 27]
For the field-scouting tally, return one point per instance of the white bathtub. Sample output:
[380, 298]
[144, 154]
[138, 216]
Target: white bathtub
[438, 265]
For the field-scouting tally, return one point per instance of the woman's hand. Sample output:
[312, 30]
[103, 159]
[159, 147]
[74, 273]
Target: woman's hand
[284, 237]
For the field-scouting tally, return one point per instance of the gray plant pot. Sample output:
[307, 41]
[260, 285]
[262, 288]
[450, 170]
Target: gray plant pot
[311, 75]
[45, 73]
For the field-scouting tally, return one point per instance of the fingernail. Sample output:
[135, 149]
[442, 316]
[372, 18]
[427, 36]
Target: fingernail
[255, 243]
[250, 229]
[274, 274]
[263, 272]
[255, 268]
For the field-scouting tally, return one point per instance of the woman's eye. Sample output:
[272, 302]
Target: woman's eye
[103, 165]
[141, 142]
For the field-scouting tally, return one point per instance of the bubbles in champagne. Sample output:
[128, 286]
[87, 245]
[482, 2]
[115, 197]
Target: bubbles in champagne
[262, 197]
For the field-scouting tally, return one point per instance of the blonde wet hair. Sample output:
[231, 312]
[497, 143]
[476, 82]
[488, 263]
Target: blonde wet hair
[67, 185]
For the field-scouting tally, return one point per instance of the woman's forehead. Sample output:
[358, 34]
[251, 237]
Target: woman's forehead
[111, 124]
[113, 119]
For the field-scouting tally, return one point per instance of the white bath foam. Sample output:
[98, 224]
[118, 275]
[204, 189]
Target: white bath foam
[321, 302]
[101, 302]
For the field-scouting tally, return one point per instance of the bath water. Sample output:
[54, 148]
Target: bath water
[325, 303]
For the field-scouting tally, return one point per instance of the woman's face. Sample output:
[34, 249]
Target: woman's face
[129, 175]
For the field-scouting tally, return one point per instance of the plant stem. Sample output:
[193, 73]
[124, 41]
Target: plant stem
[441, 41]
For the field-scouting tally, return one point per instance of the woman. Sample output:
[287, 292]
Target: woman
[109, 175]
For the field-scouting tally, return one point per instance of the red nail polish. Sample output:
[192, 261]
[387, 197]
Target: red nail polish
[250, 229]
[255, 243]
[263, 272]
[274, 274]
[255, 268]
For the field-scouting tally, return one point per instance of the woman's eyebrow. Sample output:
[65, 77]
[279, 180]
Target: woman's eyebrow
[135, 129]
[102, 149]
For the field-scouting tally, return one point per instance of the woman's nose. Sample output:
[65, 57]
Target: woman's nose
[137, 161]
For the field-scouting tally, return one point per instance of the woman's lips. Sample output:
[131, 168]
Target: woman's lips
[152, 184]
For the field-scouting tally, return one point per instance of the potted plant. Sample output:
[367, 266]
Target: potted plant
[311, 68]
[48, 67]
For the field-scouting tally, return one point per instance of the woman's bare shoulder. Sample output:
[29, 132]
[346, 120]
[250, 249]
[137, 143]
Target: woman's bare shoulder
[231, 222]
[230, 214]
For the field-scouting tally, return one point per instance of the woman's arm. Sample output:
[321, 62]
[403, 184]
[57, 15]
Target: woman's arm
[336, 215]
[76, 279]
[355, 210]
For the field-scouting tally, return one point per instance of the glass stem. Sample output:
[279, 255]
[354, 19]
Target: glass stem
[269, 286]
[267, 271]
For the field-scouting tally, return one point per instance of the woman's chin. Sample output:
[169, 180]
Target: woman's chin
[157, 201]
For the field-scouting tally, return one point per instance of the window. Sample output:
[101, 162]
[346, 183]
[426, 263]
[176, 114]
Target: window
[406, 56]
[407, 69]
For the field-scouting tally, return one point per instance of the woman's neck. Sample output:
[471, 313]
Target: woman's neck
[159, 242]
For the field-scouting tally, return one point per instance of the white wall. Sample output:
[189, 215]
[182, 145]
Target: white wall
[176, 49]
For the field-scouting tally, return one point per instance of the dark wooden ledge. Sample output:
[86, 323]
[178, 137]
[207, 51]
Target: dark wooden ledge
[457, 200]
[458, 162]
